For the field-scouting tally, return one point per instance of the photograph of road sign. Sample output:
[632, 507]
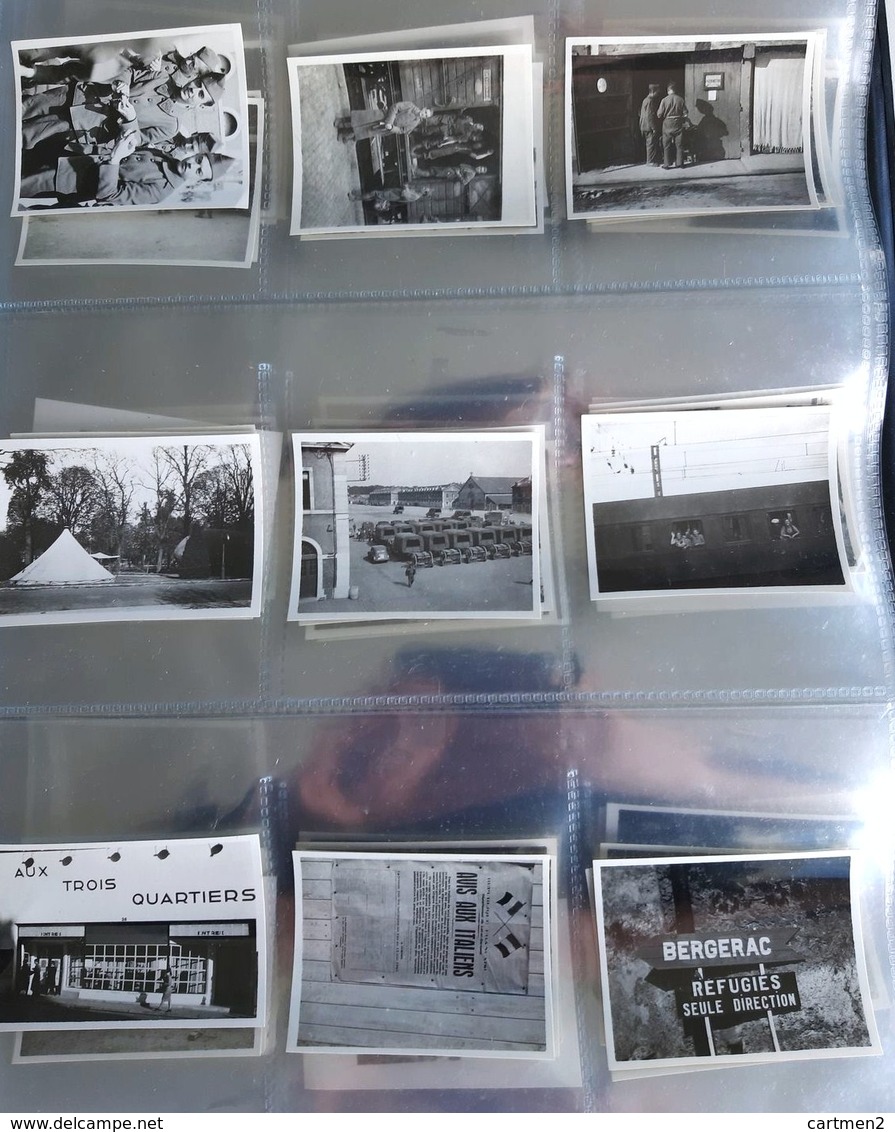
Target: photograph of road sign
[440, 954]
[408, 525]
[731, 960]
[680, 126]
[178, 238]
[133, 935]
[130, 528]
[148, 120]
[413, 140]
[716, 501]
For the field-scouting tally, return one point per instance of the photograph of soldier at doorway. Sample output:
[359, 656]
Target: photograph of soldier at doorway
[451, 159]
[412, 140]
[686, 126]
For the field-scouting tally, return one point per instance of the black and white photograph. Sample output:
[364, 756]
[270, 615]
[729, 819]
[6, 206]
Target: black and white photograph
[203, 237]
[741, 830]
[133, 935]
[684, 126]
[130, 528]
[413, 140]
[147, 120]
[409, 525]
[435, 954]
[732, 960]
[712, 502]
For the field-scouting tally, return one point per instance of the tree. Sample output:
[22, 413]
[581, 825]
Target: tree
[236, 467]
[186, 463]
[27, 473]
[164, 506]
[71, 498]
[224, 495]
[142, 541]
[116, 484]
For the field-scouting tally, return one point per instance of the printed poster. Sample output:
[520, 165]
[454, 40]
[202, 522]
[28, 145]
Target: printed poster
[422, 923]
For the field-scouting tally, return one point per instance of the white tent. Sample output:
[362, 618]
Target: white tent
[65, 563]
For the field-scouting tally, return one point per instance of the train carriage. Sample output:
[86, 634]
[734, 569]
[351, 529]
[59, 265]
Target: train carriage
[780, 535]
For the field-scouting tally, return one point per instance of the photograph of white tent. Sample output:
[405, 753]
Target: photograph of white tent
[65, 563]
[130, 528]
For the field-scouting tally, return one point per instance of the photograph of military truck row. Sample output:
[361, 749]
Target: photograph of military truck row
[416, 525]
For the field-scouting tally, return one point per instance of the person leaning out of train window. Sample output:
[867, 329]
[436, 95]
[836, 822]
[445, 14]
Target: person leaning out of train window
[789, 530]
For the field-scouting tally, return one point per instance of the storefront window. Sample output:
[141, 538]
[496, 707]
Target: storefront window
[136, 968]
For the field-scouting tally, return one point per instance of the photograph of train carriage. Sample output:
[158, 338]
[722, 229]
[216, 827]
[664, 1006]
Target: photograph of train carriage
[710, 501]
[686, 126]
[408, 141]
[386, 528]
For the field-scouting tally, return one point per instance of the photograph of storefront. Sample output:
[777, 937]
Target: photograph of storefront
[98, 972]
[678, 125]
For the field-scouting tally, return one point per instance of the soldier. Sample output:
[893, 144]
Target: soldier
[144, 178]
[649, 125]
[402, 118]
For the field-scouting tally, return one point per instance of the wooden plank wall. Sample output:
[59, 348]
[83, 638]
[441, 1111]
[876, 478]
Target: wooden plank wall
[364, 1016]
[451, 82]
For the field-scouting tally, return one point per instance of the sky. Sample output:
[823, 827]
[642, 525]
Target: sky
[708, 450]
[399, 459]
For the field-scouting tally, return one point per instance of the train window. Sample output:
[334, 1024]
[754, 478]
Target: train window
[687, 533]
[642, 537]
[735, 528]
[783, 526]
[822, 520]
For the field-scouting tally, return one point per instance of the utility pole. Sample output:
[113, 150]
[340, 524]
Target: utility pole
[656, 468]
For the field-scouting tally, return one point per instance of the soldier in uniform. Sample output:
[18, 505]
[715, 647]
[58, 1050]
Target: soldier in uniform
[402, 118]
[649, 125]
[145, 178]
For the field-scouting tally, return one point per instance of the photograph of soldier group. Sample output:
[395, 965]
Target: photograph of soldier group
[148, 121]
[404, 141]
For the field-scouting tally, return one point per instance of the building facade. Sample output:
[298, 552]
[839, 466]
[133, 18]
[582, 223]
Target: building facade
[325, 533]
[486, 493]
[212, 964]
[744, 99]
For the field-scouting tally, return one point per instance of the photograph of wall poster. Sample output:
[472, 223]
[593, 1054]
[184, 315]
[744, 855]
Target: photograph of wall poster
[146, 120]
[132, 934]
[734, 959]
[437, 953]
[678, 125]
[413, 139]
[716, 501]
